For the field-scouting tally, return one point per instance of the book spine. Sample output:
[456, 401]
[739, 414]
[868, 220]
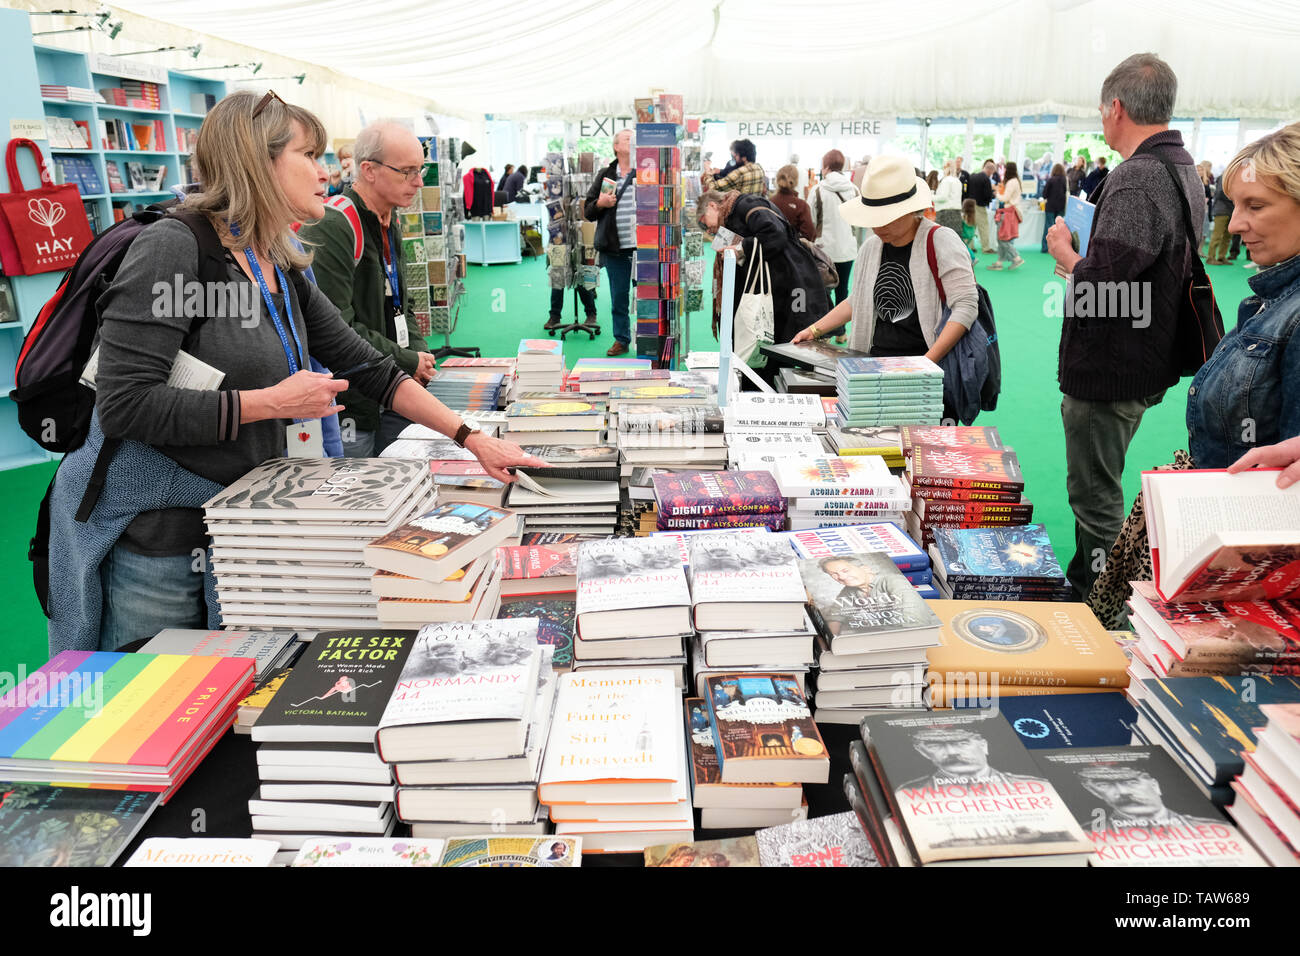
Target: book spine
[884, 504]
[721, 522]
[959, 511]
[1080, 674]
[936, 493]
[999, 580]
[882, 492]
[966, 484]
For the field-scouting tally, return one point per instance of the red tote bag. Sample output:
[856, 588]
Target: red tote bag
[42, 229]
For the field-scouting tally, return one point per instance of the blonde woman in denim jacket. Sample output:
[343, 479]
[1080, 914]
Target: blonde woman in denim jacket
[1248, 393]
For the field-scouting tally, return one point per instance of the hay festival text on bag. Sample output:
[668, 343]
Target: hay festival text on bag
[42, 229]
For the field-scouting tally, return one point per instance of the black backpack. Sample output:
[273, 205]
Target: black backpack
[992, 386]
[54, 407]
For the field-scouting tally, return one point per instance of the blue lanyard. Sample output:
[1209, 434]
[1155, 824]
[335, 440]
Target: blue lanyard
[295, 361]
[390, 267]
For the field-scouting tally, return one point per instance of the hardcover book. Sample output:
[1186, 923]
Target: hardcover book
[835, 840]
[862, 603]
[750, 410]
[616, 738]
[901, 367]
[963, 788]
[706, 493]
[707, 788]
[49, 825]
[983, 468]
[539, 569]
[339, 688]
[554, 624]
[950, 436]
[740, 581]
[631, 588]
[513, 851]
[1020, 554]
[466, 690]
[671, 420]
[369, 851]
[863, 476]
[659, 393]
[1140, 808]
[1070, 720]
[437, 542]
[199, 851]
[737, 851]
[266, 648]
[763, 730]
[1024, 643]
[815, 353]
[315, 489]
[883, 440]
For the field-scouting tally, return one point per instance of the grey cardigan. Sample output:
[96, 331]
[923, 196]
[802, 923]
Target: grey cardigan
[953, 260]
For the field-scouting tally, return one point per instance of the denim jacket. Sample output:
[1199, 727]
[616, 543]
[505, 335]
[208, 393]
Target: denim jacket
[1248, 393]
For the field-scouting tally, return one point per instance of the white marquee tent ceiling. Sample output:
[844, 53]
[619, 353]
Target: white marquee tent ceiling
[737, 58]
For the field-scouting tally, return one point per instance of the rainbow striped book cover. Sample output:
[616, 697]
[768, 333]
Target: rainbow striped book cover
[136, 720]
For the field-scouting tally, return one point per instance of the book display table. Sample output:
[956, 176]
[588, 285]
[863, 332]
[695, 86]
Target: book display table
[492, 243]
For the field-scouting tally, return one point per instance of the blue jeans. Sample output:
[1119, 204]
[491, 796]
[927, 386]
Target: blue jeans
[618, 266]
[143, 595]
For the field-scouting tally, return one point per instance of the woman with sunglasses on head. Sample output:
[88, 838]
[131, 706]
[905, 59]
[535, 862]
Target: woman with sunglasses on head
[138, 563]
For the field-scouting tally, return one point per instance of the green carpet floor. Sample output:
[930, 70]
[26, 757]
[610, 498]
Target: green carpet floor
[506, 303]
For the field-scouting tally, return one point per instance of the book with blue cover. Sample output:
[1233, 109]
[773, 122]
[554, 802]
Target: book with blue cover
[1020, 554]
[1078, 219]
[1070, 720]
[883, 536]
[1215, 718]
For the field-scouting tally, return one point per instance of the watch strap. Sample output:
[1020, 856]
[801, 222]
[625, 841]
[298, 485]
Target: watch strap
[463, 433]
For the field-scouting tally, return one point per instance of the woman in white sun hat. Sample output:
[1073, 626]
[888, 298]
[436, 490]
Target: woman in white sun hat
[895, 305]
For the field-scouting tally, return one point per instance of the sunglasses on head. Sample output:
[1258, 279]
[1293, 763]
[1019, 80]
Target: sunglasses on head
[265, 101]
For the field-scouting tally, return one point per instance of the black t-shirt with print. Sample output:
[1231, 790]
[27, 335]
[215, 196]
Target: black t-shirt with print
[898, 328]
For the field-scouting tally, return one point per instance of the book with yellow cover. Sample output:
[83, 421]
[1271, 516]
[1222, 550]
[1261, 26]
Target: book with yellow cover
[1027, 643]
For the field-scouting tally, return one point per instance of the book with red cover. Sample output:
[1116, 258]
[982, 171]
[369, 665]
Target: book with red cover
[950, 436]
[988, 469]
[964, 495]
[539, 569]
[704, 494]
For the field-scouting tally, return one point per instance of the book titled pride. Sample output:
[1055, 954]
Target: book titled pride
[142, 721]
[1221, 537]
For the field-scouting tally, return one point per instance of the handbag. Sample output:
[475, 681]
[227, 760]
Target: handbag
[755, 316]
[1008, 219]
[830, 276]
[42, 229]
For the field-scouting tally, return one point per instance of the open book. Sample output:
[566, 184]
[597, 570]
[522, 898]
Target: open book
[1221, 537]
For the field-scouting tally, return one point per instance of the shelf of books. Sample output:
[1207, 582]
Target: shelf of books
[120, 131]
[431, 241]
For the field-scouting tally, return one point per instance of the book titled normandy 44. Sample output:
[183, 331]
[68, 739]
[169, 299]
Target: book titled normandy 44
[467, 690]
[708, 493]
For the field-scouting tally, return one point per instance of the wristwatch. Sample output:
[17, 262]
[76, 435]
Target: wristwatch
[466, 429]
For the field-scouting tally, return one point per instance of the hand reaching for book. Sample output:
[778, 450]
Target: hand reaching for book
[1284, 455]
[496, 456]
[302, 395]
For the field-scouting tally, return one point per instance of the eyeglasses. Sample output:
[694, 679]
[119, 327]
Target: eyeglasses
[410, 172]
[265, 101]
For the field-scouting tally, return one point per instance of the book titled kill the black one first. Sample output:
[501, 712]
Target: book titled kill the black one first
[339, 688]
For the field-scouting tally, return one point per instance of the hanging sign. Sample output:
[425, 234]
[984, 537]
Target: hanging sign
[604, 125]
[879, 126]
[127, 69]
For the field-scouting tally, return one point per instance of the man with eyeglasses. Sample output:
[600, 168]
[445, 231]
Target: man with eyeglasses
[358, 264]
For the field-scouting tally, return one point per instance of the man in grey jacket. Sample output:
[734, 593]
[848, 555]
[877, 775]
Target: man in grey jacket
[1118, 337]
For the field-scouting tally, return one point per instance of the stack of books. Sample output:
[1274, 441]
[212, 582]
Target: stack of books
[119, 721]
[52, 825]
[725, 806]
[718, 500]
[316, 759]
[485, 363]
[270, 650]
[74, 94]
[660, 198]
[590, 365]
[455, 471]
[875, 631]
[998, 564]
[466, 726]
[1213, 638]
[564, 505]
[748, 601]
[598, 381]
[830, 490]
[1267, 807]
[288, 538]
[562, 421]
[633, 605]
[884, 537]
[885, 441]
[467, 389]
[1206, 723]
[615, 767]
[962, 477]
[764, 733]
[801, 382]
[901, 390]
[959, 789]
[539, 365]
[672, 436]
[439, 565]
[763, 429]
[994, 649]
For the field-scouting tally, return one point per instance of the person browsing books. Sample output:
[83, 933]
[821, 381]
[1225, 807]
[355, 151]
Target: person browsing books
[1118, 358]
[895, 305]
[138, 563]
[611, 205]
[1248, 392]
[371, 292]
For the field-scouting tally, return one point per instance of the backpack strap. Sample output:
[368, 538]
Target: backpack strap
[342, 204]
[934, 265]
[212, 254]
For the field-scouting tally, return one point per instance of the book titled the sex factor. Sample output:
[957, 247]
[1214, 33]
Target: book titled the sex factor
[339, 688]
